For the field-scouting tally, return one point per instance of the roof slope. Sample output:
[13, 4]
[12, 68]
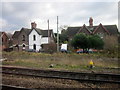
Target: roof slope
[27, 31]
[38, 30]
[15, 35]
[112, 29]
[84, 28]
[71, 31]
[45, 32]
[9, 35]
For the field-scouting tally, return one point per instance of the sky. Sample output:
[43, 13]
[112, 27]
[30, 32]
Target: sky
[16, 15]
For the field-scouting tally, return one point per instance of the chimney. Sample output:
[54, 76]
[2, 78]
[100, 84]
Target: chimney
[90, 22]
[33, 25]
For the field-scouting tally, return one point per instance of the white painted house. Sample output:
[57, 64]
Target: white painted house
[37, 37]
[33, 38]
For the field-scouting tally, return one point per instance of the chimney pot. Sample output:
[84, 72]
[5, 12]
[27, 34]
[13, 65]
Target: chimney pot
[91, 22]
[33, 25]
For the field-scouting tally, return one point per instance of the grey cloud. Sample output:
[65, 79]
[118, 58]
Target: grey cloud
[20, 14]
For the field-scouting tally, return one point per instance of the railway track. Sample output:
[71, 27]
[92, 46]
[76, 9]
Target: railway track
[9, 87]
[94, 77]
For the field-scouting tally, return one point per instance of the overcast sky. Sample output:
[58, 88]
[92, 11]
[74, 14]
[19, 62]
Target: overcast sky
[16, 15]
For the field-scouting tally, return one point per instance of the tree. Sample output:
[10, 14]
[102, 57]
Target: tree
[63, 27]
[63, 35]
[80, 41]
[63, 38]
[87, 41]
[111, 43]
[94, 41]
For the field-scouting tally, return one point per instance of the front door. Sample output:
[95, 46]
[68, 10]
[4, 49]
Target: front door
[34, 46]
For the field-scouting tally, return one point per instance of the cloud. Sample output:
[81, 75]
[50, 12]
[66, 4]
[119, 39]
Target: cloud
[3, 23]
[59, 1]
[20, 14]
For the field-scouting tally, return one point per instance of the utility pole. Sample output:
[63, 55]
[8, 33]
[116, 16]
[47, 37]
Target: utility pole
[48, 32]
[57, 36]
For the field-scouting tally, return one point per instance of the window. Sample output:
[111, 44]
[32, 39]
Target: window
[34, 37]
[2, 40]
[91, 29]
[23, 38]
[16, 45]
[23, 47]
[34, 46]
[100, 35]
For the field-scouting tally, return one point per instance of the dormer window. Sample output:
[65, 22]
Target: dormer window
[23, 38]
[34, 37]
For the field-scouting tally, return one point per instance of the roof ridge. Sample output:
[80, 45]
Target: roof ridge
[38, 28]
[84, 26]
[102, 27]
[47, 29]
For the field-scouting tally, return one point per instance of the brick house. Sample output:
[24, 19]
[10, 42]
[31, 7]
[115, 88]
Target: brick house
[31, 38]
[101, 30]
[4, 43]
[104, 31]
[20, 39]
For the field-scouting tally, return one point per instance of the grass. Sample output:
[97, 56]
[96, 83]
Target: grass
[60, 61]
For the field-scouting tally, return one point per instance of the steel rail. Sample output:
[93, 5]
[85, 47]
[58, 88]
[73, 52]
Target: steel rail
[94, 77]
[10, 87]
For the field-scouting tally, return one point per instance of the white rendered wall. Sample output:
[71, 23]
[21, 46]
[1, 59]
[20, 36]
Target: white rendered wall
[44, 40]
[37, 41]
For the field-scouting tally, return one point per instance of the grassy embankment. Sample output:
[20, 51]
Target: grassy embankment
[60, 61]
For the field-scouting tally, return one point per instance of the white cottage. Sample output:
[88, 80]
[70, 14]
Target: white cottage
[37, 37]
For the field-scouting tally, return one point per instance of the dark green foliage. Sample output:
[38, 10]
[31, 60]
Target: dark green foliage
[63, 37]
[94, 41]
[87, 41]
[79, 41]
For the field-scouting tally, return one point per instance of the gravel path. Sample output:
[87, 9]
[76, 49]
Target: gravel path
[32, 82]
